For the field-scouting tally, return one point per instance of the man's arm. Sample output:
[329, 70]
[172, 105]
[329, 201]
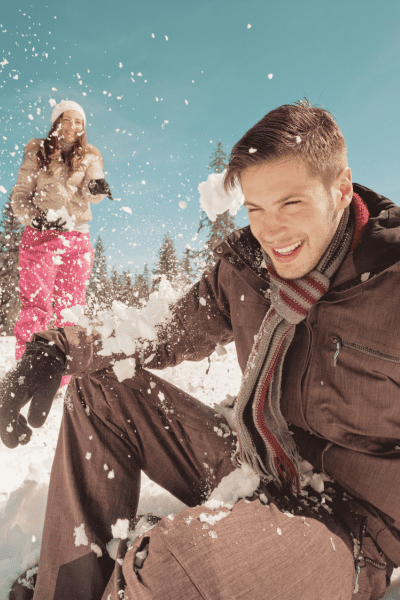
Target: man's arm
[200, 320]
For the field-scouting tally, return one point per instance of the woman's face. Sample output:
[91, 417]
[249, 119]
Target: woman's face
[71, 126]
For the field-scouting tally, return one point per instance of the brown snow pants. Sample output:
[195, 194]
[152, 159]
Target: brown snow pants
[110, 432]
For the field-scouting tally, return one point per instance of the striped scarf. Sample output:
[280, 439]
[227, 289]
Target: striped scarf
[258, 402]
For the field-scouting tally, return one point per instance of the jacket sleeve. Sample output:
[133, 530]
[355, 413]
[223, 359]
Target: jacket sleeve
[95, 170]
[24, 190]
[200, 321]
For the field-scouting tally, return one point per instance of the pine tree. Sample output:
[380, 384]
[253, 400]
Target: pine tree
[10, 238]
[168, 263]
[223, 224]
[98, 293]
[219, 159]
[186, 269]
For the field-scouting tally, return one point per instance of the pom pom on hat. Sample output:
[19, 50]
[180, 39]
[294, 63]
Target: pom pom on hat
[67, 105]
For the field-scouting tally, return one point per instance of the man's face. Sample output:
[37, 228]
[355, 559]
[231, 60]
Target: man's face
[292, 214]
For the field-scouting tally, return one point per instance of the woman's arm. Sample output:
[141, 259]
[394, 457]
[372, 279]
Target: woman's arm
[95, 170]
[24, 190]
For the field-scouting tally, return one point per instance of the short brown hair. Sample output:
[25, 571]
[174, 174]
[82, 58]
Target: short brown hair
[298, 130]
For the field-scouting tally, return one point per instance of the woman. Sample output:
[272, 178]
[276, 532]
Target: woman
[59, 178]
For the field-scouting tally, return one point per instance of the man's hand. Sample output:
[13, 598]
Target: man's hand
[42, 224]
[99, 186]
[35, 379]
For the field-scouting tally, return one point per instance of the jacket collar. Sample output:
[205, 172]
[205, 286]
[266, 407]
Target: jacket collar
[378, 248]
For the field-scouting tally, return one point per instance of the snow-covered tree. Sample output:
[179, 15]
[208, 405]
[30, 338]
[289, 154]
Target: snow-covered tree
[225, 223]
[10, 238]
[168, 263]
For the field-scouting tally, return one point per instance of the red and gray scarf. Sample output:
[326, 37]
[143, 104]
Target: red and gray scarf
[258, 403]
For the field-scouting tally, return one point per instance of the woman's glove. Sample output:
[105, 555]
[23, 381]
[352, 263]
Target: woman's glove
[99, 186]
[42, 224]
[35, 379]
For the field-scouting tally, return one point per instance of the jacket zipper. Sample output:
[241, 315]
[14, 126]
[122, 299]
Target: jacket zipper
[364, 349]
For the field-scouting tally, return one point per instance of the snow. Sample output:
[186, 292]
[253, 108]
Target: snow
[214, 200]
[80, 536]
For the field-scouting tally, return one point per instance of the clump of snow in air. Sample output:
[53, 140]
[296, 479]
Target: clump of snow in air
[214, 200]
[270, 76]
[52, 102]
[61, 213]
[126, 330]
[3, 189]
[248, 26]
[126, 209]
[182, 204]
[252, 150]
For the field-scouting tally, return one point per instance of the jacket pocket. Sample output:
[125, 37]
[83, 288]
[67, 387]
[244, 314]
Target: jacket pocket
[340, 342]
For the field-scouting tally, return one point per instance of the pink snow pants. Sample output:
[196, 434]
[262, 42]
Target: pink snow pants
[54, 267]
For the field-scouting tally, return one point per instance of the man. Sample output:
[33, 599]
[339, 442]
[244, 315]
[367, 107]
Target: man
[307, 295]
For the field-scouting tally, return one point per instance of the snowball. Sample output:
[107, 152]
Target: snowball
[53, 215]
[80, 536]
[213, 198]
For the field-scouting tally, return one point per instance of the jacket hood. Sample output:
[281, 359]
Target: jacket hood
[378, 248]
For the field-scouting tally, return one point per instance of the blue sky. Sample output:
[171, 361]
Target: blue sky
[200, 74]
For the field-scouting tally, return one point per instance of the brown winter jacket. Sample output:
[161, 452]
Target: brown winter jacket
[35, 191]
[353, 408]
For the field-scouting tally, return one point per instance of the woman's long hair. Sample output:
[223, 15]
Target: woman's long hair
[50, 152]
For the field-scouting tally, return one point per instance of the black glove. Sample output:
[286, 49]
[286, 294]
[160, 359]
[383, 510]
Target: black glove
[42, 224]
[99, 186]
[35, 379]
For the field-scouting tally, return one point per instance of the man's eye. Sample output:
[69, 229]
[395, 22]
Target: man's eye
[292, 203]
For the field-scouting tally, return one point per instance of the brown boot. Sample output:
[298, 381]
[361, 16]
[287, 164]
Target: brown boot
[24, 587]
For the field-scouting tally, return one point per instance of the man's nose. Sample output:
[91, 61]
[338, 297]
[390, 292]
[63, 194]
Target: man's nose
[272, 227]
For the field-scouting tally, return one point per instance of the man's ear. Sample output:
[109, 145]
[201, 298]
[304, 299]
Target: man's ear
[345, 187]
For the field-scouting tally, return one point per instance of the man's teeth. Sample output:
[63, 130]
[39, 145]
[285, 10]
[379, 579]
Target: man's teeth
[287, 250]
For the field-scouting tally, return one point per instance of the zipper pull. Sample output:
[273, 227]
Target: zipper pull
[338, 346]
[356, 586]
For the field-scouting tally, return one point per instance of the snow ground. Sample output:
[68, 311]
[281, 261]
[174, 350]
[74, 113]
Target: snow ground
[25, 470]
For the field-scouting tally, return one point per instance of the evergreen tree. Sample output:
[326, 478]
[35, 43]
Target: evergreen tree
[10, 238]
[186, 269]
[142, 285]
[98, 294]
[168, 263]
[223, 224]
[218, 159]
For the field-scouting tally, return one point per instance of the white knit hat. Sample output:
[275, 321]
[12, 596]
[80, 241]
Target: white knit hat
[67, 105]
